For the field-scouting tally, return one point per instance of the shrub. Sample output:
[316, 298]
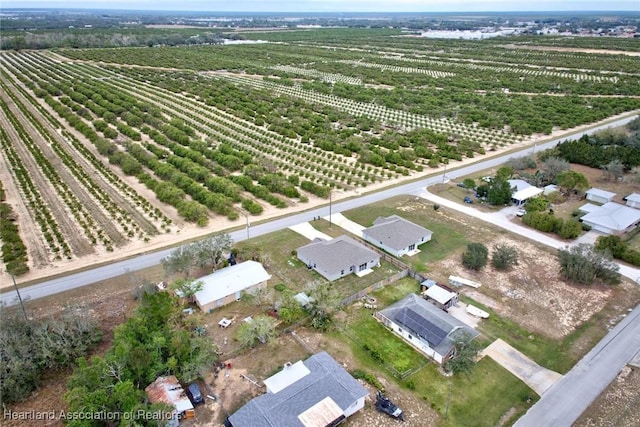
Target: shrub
[504, 257]
[475, 257]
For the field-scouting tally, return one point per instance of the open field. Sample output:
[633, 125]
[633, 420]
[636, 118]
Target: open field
[148, 143]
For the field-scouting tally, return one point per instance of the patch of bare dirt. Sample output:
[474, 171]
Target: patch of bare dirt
[618, 405]
[532, 293]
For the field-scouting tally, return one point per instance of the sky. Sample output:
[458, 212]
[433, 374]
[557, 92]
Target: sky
[333, 5]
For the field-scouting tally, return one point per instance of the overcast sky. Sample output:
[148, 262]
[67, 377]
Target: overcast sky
[333, 5]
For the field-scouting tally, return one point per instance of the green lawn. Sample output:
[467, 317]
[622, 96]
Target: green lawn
[480, 398]
[447, 238]
[284, 266]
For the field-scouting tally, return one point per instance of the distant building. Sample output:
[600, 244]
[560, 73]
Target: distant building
[318, 392]
[168, 390]
[396, 235]
[599, 196]
[227, 284]
[338, 257]
[429, 329]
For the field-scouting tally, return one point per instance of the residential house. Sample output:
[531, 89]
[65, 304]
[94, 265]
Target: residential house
[318, 392]
[396, 235]
[611, 218]
[429, 329]
[338, 257]
[227, 284]
[523, 191]
[633, 200]
[168, 390]
[599, 196]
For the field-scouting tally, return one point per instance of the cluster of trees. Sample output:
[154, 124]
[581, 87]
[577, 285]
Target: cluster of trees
[549, 223]
[618, 248]
[589, 151]
[14, 251]
[476, 256]
[586, 265]
[29, 347]
[156, 340]
[207, 253]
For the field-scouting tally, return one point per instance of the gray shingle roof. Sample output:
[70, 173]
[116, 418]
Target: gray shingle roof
[396, 232]
[326, 379]
[337, 254]
[424, 320]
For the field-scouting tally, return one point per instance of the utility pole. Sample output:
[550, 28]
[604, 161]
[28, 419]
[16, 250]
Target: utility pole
[444, 174]
[19, 297]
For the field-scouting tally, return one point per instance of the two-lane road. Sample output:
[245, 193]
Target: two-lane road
[87, 277]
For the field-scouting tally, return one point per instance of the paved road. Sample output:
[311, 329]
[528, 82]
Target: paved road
[76, 280]
[563, 403]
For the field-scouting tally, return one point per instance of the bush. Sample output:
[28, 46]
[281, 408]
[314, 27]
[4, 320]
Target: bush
[570, 229]
[475, 257]
[504, 257]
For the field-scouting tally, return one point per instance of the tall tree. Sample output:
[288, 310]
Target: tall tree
[572, 181]
[554, 166]
[180, 260]
[325, 301]
[466, 353]
[260, 329]
[211, 251]
[614, 170]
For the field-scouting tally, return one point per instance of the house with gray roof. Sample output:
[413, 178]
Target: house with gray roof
[427, 328]
[633, 200]
[316, 392]
[338, 257]
[396, 235]
[612, 218]
[599, 196]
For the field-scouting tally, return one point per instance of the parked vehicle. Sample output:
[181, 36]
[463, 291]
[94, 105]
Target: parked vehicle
[521, 212]
[468, 199]
[193, 391]
[383, 404]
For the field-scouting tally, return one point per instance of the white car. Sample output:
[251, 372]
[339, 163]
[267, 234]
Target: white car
[521, 212]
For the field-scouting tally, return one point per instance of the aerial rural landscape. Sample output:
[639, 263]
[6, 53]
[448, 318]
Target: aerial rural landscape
[312, 219]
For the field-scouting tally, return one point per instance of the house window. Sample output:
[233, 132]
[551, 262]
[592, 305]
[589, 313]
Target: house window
[400, 330]
[410, 337]
[341, 272]
[412, 246]
[351, 268]
[362, 267]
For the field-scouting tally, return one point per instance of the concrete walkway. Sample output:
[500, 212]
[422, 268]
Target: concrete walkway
[307, 230]
[535, 376]
[342, 222]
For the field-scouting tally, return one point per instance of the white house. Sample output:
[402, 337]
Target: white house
[441, 296]
[227, 284]
[427, 328]
[612, 218]
[396, 235]
[316, 392]
[633, 200]
[522, 191]
[599, 196]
